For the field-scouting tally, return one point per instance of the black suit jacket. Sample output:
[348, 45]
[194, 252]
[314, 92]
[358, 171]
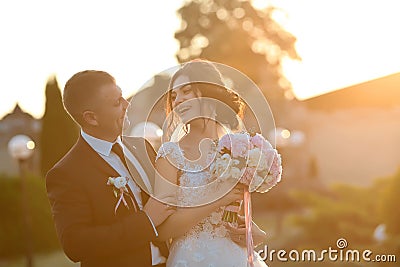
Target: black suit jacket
[83, 209]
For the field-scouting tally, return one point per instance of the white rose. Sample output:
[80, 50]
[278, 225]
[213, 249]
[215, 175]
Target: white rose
[222, 168]
[255, 182]
[269, 155]
[262, 159]
[266, 185]
[235, 173]
[120, 182]
[235, 162]
[225, 174]
[241, 138]
[263, 164]
[226, 157]
[254, 157]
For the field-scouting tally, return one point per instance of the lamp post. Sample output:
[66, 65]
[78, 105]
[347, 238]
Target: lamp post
[21, 148]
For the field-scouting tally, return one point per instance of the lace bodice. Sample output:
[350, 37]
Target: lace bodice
[195, 186]
[208, 242]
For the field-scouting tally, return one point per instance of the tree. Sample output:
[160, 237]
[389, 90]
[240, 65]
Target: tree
[234, 33]
[59, 132]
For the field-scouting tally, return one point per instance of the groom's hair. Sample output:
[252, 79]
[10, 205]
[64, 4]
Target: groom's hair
[80, 90]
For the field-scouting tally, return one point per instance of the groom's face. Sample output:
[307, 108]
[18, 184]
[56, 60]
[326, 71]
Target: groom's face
[110, 111]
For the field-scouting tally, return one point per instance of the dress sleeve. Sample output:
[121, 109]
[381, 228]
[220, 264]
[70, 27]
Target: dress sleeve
[172, 152]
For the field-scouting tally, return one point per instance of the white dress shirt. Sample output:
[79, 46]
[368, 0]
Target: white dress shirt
[103, 148]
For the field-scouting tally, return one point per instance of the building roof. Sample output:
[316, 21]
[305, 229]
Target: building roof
[383, 92]
[17, 113]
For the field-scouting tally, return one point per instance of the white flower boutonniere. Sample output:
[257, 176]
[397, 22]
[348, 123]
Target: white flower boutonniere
[120, 190]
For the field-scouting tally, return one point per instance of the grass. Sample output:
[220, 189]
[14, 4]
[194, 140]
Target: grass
[57, 258]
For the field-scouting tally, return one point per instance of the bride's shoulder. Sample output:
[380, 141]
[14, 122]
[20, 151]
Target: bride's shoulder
[169, 148]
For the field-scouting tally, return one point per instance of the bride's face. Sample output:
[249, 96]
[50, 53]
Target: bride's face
[185, 103]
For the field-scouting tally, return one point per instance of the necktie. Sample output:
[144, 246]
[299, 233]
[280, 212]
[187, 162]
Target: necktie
[117, 149]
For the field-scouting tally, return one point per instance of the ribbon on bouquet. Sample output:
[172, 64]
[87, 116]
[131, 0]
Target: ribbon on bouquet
[248, 222]
[122, 199]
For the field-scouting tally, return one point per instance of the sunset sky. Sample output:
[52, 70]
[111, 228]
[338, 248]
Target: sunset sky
[341, 42]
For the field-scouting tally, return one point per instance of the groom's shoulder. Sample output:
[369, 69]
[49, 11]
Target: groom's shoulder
[140, 147]
[133, 139]
[137, 142]
[68, 161]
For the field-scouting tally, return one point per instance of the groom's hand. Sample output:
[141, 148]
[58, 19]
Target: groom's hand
[158, 211]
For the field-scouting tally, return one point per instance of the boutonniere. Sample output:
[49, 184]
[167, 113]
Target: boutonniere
[120, 191]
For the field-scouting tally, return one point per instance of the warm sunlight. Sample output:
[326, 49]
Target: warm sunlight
[340, 42]
[43, 38]
[197, 167]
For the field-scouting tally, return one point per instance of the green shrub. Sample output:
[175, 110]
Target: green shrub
[347, 212]
[12, 230]
[389, 205]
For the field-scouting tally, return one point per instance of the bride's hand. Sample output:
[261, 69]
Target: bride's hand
[238, 234]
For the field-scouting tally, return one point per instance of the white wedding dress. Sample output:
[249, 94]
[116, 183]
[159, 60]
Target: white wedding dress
[207, 244]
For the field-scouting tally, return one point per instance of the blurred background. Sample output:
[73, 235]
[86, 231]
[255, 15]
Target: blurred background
[329, 69]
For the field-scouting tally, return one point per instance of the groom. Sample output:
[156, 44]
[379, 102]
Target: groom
[96, 223]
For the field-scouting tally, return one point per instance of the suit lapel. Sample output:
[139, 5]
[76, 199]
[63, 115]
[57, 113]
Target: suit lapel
[138, 180]
[87, 152]
[94, 158]
[139, 153]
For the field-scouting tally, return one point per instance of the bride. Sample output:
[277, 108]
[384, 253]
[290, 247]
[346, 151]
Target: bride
[198, 101]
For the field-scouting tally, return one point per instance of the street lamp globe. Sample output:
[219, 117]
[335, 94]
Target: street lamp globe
[148, 130]
[21, 147]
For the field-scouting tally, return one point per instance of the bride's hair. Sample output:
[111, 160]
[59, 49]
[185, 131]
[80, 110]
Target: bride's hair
[207, 82]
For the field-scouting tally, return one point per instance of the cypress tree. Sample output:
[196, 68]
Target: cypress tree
[59, 132]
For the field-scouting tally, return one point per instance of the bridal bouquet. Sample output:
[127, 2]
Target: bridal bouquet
[249, 158]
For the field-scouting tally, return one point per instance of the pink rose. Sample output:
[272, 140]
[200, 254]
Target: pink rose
[248, 175]
[225, 142]
[240, 145]
[257, 140]
[276, 168]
